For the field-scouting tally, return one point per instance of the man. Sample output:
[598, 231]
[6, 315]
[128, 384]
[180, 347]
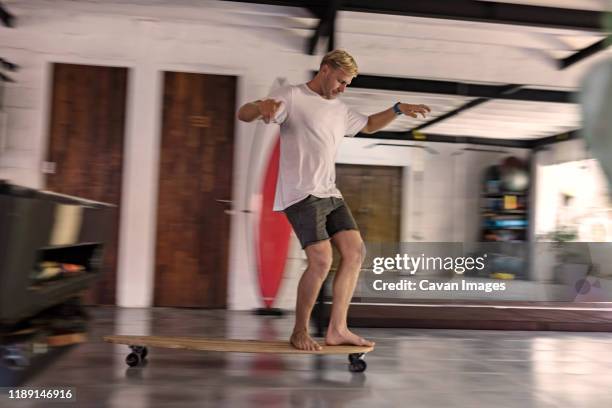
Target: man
[312, 124]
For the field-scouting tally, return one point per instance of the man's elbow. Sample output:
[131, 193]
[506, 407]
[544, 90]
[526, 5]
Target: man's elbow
[242, 116]
[367, 129]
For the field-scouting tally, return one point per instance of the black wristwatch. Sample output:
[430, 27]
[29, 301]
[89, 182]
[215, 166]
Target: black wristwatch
[397, 109]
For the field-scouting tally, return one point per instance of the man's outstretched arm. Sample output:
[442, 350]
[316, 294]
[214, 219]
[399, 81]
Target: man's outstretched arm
[379, 120]
[265, 109]
[249, 111]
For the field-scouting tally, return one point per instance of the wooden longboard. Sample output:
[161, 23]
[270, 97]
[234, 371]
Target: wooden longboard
[139, 345]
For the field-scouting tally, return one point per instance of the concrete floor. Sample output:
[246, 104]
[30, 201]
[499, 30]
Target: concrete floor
[409, 368]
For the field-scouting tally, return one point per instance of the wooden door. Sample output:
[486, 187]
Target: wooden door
[85, 148]
[373, 194]
[195, 189]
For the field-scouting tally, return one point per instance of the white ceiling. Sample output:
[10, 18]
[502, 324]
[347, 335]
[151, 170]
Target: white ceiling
[514, 54]
[506, 119]
[413, 36]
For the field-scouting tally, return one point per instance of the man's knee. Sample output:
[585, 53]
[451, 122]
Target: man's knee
[354, 254]
[319, 262]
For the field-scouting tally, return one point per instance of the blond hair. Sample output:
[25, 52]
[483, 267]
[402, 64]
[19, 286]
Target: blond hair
[340, 59]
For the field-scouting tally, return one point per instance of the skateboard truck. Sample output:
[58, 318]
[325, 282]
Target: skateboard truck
[137, 356]
[357, 362]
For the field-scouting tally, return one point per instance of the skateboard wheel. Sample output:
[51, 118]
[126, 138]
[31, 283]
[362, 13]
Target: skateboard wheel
[133, 359]
[357, 366]
[16, 362]
[355, 356]
[142, 351]
[14, 357]
[356, 363]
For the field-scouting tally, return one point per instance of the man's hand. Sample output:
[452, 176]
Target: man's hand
[414, 110]
[379, 120]
[268, 108]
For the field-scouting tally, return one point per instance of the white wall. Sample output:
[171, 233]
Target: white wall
[593, 198]
[256, 43]
[147, 40]
[443, 189]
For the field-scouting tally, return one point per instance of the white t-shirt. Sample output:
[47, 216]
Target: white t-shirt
[311, 129]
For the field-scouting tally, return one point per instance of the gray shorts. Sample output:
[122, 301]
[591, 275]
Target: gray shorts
[316, 219]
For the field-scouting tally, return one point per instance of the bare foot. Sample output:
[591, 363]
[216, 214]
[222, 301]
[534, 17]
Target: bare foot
[301, 340]
[336, 337]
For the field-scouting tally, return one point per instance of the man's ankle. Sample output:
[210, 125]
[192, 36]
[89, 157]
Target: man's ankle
[337, 328]
[300, 330]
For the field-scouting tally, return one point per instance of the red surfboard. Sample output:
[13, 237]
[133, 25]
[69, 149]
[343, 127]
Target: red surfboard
[273, 234]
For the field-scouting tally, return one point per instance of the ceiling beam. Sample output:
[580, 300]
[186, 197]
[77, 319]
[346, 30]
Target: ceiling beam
[464, 10]
[537, 144]
[504, 90]
[7, 18]
[419, 137]
[585, 53]
[5, 78]
[8, 65]
[4, 64]
[326, 28]
[485, 12]
[460, 89]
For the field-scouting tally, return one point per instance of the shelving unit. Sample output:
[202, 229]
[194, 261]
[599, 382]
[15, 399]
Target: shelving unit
[504, 217]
